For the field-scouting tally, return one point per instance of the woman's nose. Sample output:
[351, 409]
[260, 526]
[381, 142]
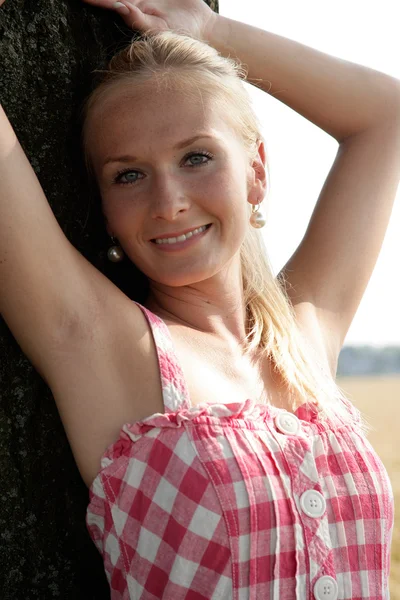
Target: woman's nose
[168, 200]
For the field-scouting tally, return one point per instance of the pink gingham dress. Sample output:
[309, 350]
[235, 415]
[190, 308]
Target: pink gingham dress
[240, 501]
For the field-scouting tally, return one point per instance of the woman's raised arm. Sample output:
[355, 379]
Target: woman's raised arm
[43, 278]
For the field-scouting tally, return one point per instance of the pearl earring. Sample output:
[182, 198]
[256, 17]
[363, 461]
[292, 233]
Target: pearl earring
[115, 253]
[257, 219]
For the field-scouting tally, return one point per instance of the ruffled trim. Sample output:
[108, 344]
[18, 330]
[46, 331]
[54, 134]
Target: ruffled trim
[249, 411]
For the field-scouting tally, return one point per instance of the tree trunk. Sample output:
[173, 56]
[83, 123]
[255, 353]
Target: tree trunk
[48, 50]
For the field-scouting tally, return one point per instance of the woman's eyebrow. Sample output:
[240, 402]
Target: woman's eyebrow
[179, 146]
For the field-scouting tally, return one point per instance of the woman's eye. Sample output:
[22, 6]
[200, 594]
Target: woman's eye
[187, 157]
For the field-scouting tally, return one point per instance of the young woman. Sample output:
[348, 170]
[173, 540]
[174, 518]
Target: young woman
[222, 459]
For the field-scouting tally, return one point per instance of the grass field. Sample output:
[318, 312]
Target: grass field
[378, 398]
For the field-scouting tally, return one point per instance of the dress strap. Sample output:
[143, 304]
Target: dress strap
[174, 389]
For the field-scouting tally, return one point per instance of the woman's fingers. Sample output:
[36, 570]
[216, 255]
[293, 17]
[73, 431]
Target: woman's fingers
[109, 4]
[121, 8]
[132, 16]
[140, 20]
[142, 15]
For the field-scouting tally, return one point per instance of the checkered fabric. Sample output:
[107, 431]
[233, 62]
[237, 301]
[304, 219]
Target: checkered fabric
[208, 502]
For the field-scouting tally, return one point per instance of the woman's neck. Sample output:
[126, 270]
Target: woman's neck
[214, 306]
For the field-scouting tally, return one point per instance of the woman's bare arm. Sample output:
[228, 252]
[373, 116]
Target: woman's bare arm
[44, 280]
[360, 107]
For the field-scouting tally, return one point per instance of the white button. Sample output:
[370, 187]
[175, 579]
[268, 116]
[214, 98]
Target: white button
[326, 588]
[313, 503]
[288, 423]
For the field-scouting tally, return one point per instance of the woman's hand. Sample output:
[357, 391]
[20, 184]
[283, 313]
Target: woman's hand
[194, 17]
[2, 2]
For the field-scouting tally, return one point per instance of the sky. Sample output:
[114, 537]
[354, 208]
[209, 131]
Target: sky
[300, 154]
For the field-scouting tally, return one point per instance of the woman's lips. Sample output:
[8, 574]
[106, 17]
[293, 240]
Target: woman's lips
[172, 235]
[182, 245]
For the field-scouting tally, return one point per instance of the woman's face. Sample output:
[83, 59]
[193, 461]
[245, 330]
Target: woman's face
[168, 190]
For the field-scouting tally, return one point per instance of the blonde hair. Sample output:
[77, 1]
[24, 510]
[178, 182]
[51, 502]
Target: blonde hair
[176, 59]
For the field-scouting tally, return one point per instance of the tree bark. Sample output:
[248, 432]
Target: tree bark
[48, 50]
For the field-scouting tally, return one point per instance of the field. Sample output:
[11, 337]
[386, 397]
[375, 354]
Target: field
[378, 398]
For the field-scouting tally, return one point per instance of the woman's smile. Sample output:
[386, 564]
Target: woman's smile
[168, 245]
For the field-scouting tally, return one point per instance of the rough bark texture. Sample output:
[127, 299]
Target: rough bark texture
[48, 50]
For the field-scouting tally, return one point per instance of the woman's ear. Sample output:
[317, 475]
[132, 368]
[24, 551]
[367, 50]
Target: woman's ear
[258, 175]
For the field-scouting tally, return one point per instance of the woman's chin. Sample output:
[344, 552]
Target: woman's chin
[183, 276]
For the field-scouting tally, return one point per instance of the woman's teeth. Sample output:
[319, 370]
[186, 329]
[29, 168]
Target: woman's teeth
[181, 238]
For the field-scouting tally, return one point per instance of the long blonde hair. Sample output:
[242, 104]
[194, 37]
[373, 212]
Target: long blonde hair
[176, 59]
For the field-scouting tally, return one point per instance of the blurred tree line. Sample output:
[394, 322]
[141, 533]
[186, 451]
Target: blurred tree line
[369, 360]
